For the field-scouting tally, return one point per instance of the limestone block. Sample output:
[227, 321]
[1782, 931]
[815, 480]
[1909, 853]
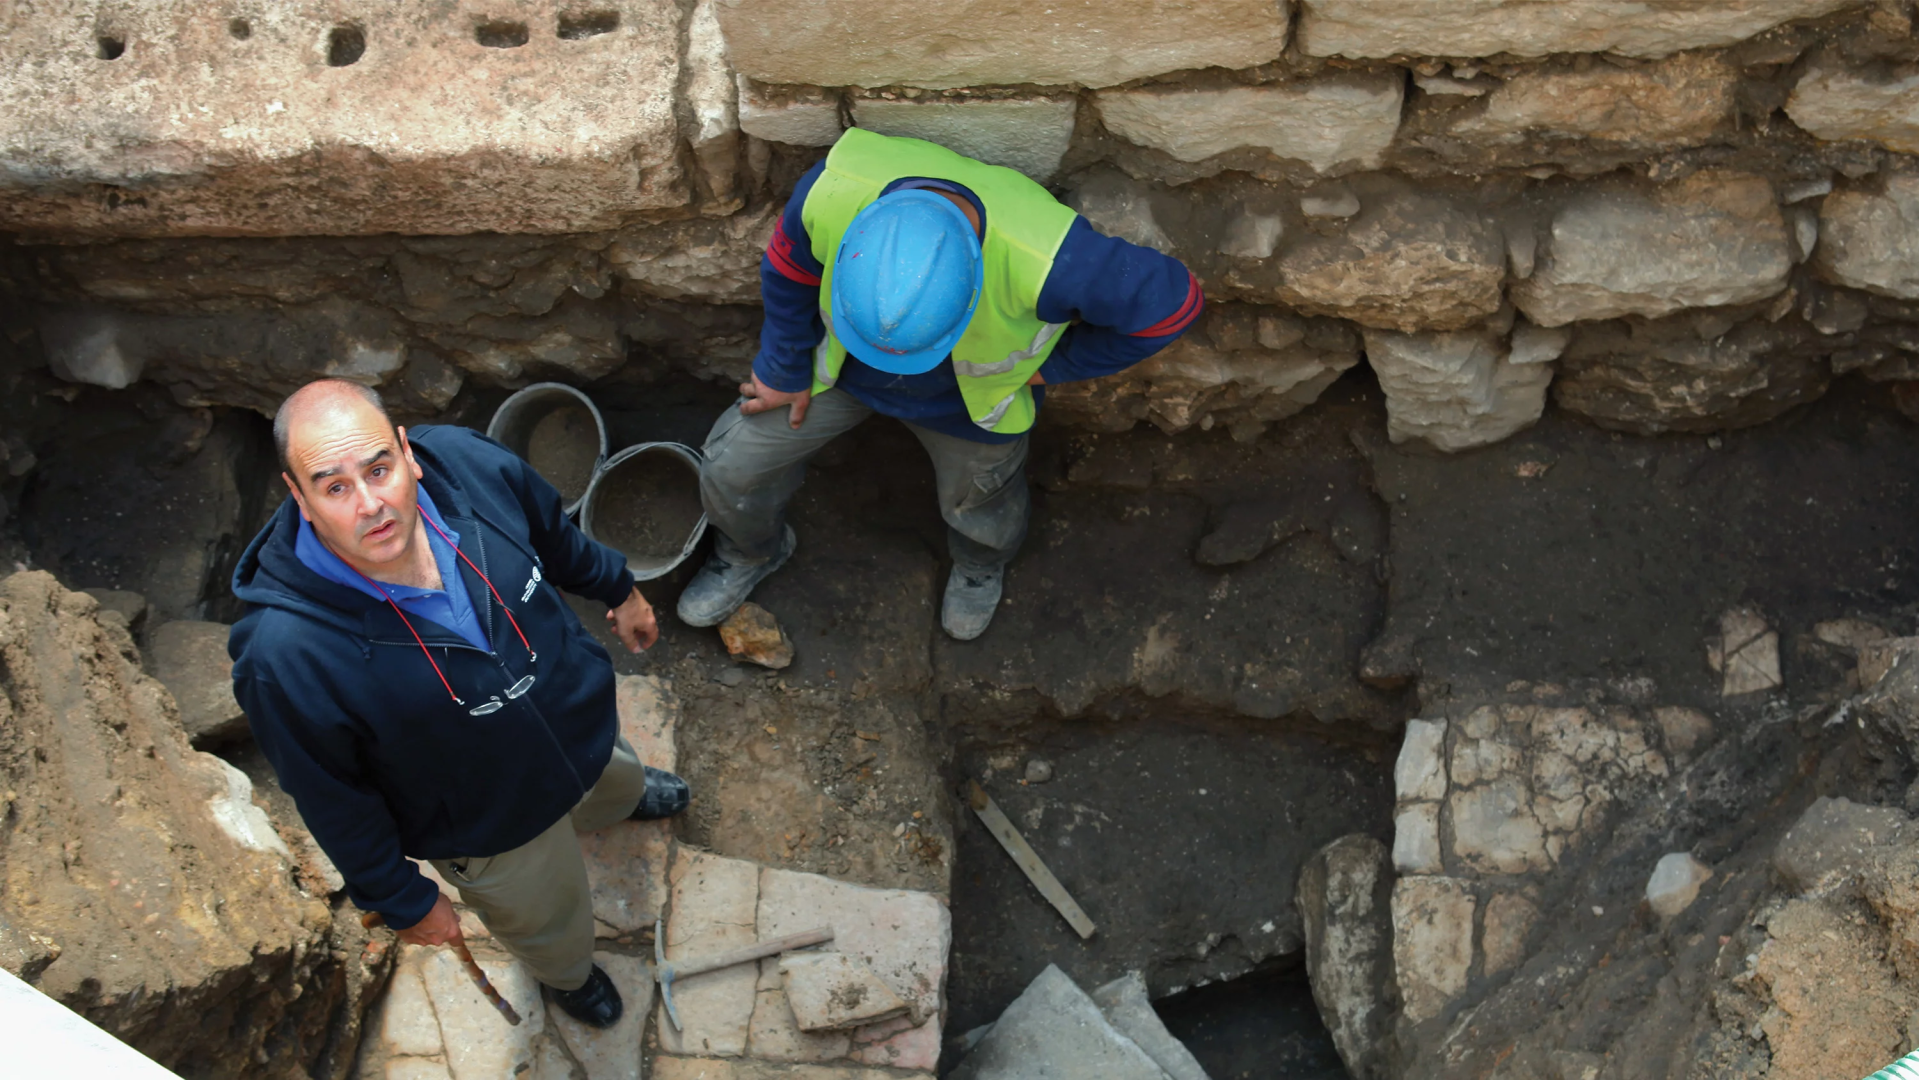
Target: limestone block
[775, 1034]
[714, 900]
[1054, 1030]
[1494, 830]
[796, 115]
[1383, 28]
[1713, 238]
[1510, 917]
[1028, 134]
[902, 936]
[1130, 1010]
[611, 1053]
[1870, 239]
[1833, 837]
[1683, 374]
[92, 346]
[1476, 761]
[1344, 899]
[191, 659]
[627, 862]
[407, 1022]
[1420, 770]
[996, 42]
[1118, 205]
[1336, 123]
[649, 717]
[1685, 730]
[1432, 942]
[1409, 262]
[1676, 102]
[1416, 839]
[1238, 365]
[1252, 235]
[1674, 883]
[892, 1046]
[1746, 653]
[716, 260]
[1538, 344]
[480, 1044]
[1836, 104]
[828, 991]
[398, 120]
[1454, 390]
[712, 95]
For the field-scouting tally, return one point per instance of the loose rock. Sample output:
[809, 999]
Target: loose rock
[752, 634]
[1675, 883]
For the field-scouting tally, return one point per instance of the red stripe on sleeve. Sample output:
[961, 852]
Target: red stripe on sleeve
[1181, 319]
[780, 250]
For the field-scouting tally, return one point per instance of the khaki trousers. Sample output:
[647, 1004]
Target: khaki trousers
[534, 899]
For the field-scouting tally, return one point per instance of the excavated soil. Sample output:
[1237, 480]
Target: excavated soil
[563, 447]
[647, 507]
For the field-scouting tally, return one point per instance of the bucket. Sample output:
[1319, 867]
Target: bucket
[558, 431]
[645, 503]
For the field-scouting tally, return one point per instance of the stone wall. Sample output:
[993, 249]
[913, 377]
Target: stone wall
[1679, 217]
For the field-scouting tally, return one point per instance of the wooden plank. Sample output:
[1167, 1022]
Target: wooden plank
[1028, 860]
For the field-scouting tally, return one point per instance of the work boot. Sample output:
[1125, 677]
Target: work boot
[972, 595]
[596, 1003]
[666, 795]
[722, 586]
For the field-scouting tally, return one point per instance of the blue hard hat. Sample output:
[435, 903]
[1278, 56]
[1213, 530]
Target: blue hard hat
[906, 281]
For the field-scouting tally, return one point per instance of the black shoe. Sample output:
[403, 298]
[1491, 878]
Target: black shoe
[596, 1003]
[666, 795]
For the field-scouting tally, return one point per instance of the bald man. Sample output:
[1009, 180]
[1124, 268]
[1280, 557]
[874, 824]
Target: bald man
[423, 691]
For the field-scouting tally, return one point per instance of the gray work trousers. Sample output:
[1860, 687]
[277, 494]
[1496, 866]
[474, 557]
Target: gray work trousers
[534, 898]
[755, 463]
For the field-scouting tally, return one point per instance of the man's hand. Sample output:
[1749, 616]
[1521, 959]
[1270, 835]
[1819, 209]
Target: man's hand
[634, 623]
[440, 926]
[763, 398]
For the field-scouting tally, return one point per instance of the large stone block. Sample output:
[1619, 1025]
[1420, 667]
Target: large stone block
[797, 115]
[1677, 102]
[1870, 239]
[1420, 770]
[1408, 262]
[1028, 134]
[1713, 238]
[1454, 390]
[988, 42]
[1337, 123]
[1382, 28]
[716, 260]
[1432, 943]
[714, 900]
[1055, 1030]
[1679, 374]
[1494, 830]
[296, 119]
[1836, 103]
[1344, 898]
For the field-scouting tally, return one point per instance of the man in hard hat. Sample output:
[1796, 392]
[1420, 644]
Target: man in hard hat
[422, 689]
[914, 282]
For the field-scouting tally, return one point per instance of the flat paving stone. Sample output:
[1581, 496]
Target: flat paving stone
[480, 1044]
[408, 1026]
[611, 1053]
[1127, 1006]
[413, 1068]
[714, 900]
[832, 991]
[694, 1068]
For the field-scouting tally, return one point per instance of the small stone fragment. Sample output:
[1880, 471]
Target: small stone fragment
[1335, 202]
[1432, 942]
[1038, 770]
[1675, 883]
[1746, 653]
[752, 634]
[1129, 1009]
[831, 991]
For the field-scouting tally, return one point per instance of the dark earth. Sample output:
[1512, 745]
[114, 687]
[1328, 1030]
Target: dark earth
[1254, 620]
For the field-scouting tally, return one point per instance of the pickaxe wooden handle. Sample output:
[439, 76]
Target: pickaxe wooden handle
[666, 972]
[373, 918]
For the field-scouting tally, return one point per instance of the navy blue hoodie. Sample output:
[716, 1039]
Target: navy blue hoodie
[380, 758]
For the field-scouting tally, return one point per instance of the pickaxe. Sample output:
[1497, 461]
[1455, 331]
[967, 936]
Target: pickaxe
[372, 919]
[666, 971]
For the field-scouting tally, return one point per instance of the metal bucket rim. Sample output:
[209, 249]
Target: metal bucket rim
[493, 429]
[680, 450]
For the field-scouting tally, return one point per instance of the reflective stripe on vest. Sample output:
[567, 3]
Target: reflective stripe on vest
[1000, 367]
[823, 360]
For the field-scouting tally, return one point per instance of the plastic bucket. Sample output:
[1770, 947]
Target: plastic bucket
[645, 503]
[546, 424]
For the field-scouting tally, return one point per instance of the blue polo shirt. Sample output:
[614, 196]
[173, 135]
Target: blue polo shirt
[451, 607]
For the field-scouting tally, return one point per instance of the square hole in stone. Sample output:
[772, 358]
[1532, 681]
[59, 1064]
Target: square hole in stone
[577, 25]
[240, 29]
[345, 45]
[110, 47]
[500, 34]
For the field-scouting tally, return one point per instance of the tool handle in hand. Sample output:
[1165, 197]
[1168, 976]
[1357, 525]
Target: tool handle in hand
[371, 919]
[758, 951]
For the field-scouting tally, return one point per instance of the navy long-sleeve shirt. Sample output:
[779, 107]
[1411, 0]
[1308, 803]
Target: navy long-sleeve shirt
[1125, 303]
